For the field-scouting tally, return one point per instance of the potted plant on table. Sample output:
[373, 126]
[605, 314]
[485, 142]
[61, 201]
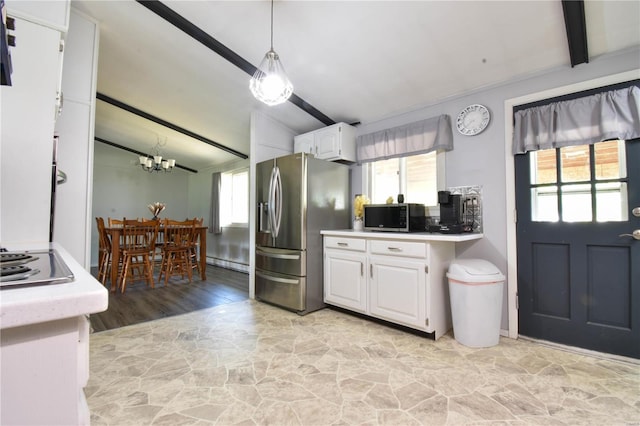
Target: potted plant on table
[358, 211]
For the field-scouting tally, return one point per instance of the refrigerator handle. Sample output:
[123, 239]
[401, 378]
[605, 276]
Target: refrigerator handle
[271, 202]
[278, 195]
[277, 279]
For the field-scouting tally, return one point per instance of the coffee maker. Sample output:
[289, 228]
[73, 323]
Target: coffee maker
[451, 214]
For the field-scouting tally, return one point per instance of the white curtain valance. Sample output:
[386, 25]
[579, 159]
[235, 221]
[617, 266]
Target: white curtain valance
[410, 139]
[607, 115]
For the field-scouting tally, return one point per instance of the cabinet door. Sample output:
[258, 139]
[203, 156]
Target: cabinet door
[304, 143]
[28, 111]
[345, 279]
[53, 14]
[328, 143]
[397, 290]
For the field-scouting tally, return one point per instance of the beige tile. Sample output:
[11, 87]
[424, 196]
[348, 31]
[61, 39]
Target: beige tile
[249, 363]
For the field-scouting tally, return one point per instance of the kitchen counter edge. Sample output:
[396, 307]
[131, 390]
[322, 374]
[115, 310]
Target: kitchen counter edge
[38, 304]
[407, 236]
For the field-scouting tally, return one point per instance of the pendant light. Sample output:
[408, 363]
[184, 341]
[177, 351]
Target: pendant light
[270, 84]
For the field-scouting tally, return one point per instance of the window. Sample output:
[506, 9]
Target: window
[234, 198]
[579, 183]
[415, 176]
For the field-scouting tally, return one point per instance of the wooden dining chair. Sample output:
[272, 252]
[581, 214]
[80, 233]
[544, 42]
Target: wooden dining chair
[194, 259]
[104, 252]
[178, 239]
[137, 248]
[114, 222]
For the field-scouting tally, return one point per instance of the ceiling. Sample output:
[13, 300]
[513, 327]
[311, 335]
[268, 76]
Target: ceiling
[354, 61]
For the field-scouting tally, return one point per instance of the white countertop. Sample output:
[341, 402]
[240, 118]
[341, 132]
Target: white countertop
[408, 236]
[30, 305]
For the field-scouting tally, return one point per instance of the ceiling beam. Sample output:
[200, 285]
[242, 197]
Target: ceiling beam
[167, 124]
[576, 26]
[115, 145]
[197, 33]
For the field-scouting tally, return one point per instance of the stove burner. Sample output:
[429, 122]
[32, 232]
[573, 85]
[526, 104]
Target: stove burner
[9, 259]
[31, 268]
[17, 272]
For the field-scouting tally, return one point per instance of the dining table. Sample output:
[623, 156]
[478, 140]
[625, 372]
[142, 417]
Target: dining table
[115, 232]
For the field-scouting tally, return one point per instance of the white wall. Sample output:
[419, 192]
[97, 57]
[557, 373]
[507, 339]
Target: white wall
[122, 189]
[480, 160]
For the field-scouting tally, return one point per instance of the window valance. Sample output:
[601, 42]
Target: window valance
[410, 139]
[587, 120]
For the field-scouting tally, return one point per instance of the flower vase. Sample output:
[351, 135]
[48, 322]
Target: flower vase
[358, 224]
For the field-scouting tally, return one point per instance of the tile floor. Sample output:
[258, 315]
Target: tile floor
[250, 363]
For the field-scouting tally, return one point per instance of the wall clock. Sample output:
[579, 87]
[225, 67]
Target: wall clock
[473, 119]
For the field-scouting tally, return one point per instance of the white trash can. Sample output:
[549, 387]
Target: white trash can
[475, 290]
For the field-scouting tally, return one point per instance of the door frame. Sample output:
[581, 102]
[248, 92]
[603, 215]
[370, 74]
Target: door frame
[510, 186]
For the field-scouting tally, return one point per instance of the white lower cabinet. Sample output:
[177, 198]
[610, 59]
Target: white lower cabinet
[345, 282]
[345, 263]
[44, 368]
[388, 278]
[397, 290]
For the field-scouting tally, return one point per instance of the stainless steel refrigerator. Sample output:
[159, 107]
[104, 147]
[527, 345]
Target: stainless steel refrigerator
[297, 196]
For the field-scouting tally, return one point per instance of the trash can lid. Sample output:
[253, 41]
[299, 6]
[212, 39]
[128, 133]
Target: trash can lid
[474, 270]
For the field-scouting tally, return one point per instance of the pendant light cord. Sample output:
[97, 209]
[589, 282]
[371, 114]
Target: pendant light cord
[271, 24]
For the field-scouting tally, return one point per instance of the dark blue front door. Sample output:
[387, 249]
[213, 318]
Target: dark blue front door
[578, 274]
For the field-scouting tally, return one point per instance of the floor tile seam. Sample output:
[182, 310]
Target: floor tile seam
[157, 321]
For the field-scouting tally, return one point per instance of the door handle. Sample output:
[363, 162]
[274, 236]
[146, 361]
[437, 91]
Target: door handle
[636, 212]
[635, 234]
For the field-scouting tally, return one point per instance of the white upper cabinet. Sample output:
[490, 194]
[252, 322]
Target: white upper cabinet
[304, 143]
[50, 13]
[333, 143]
[28, 118]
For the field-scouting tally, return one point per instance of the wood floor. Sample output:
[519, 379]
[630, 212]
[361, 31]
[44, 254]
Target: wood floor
[140, 303]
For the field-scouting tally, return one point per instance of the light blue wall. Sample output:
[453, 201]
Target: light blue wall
[122, 189]
[480, 160]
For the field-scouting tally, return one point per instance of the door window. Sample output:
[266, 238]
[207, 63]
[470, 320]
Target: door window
[582, 183]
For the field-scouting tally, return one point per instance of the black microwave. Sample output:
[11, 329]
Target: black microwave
[404, 217]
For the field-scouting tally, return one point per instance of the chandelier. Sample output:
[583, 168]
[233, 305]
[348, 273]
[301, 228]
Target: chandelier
[269, 83]
[153, 162]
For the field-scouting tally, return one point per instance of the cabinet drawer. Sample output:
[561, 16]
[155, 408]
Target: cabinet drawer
[399, 248]
[355, 244]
